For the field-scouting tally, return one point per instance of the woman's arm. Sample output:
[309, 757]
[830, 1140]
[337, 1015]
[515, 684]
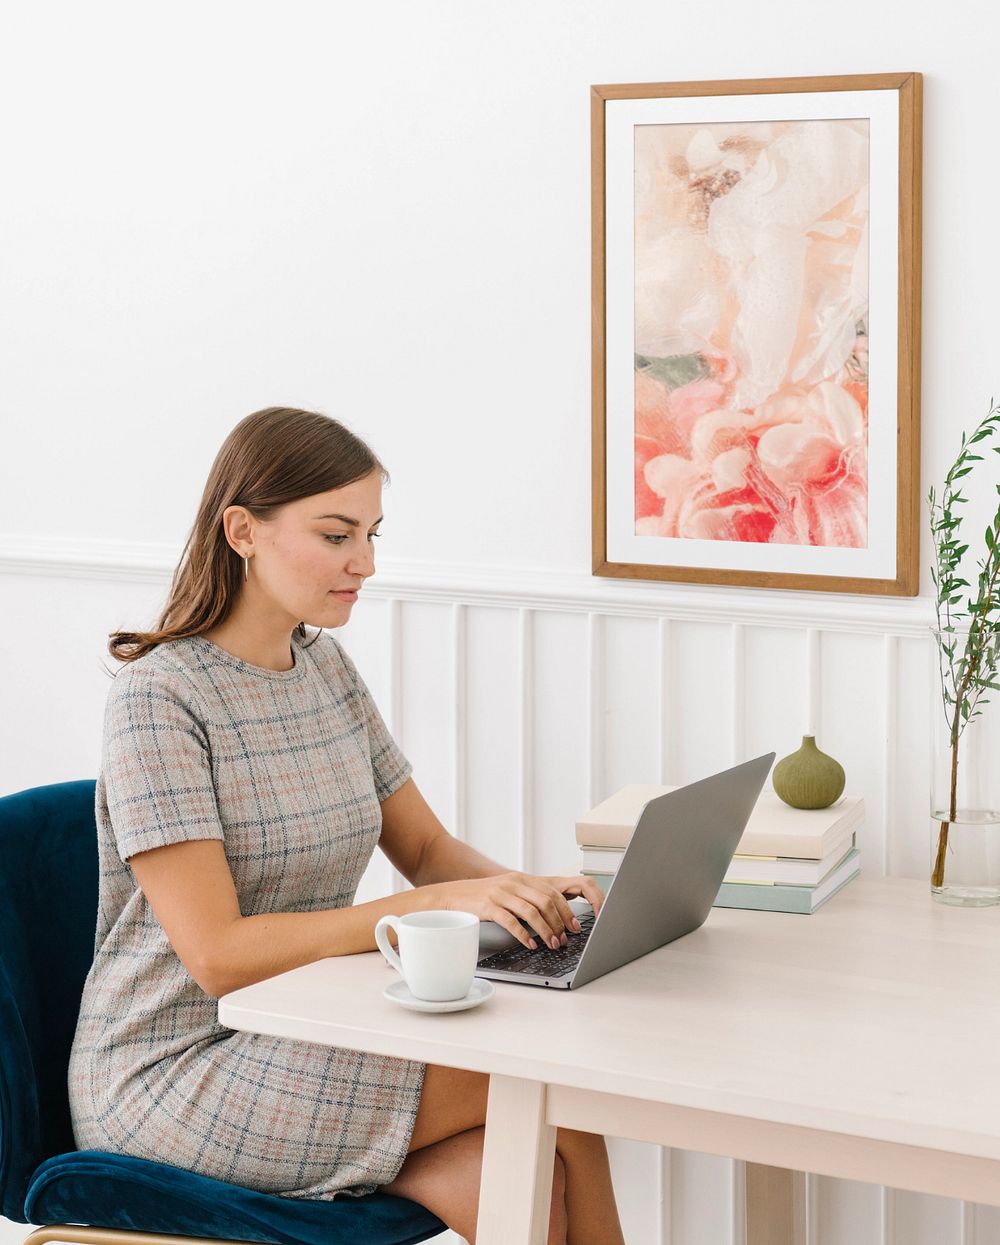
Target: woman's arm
[462, 878]
[419, 846]
[191, 891]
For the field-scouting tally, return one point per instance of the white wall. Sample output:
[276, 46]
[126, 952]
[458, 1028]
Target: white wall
[382, 211]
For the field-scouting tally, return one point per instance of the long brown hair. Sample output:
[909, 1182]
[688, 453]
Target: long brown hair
[270, 458]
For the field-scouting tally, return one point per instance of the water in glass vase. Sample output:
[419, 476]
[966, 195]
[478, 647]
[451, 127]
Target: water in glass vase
[965, 801]
[966, 858]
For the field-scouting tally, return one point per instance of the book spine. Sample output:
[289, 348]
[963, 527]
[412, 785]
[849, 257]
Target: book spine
[744, 869]
[795, 899]
[850, 877]
[614, 838]
[601, 861]
[784, 871]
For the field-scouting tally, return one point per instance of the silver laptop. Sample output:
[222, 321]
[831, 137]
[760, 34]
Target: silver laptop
[665, 886]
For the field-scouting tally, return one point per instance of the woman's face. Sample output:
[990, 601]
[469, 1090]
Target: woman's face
[313, 556]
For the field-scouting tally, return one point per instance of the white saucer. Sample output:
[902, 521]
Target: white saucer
[399, 992]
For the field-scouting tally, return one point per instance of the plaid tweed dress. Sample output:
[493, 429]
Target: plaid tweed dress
[286, 769]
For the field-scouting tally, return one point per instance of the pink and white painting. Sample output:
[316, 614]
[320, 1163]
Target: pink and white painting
[751, 332]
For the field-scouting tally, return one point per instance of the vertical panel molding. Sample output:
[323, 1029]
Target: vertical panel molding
[526, 743]
[738, 693]
[595, 708]
[887, 1216]
[394, 697]
[890, 658]
[394, 660]
[811, 1210]
[459, 710]
[738, 1202]
[665, 641]
[664, 1195]
[814, 706]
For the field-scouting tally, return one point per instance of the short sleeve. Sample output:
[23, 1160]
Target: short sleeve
[389, 766]
[156, 764]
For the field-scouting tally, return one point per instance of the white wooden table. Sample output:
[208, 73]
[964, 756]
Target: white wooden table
[862, 1041]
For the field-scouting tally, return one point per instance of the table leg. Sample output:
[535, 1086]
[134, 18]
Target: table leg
[519, 1152]
[775, 1206]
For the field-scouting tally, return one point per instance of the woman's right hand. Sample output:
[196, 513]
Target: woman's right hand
[509, 898]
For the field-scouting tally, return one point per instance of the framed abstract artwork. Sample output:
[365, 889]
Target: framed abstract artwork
[756, 332]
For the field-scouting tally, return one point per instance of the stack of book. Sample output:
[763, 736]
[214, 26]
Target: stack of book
[788, 860]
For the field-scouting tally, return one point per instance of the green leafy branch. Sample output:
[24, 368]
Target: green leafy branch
[968, 672]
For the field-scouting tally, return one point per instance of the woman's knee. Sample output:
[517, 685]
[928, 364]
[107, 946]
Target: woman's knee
[446, 1175]
[452, 1101]
[571, 1142]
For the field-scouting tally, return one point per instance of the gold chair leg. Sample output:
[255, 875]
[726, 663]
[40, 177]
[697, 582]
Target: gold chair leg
[76, 1234]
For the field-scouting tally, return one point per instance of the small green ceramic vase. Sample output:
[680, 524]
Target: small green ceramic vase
[808, 778]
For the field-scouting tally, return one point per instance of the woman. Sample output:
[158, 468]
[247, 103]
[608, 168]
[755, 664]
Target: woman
[246, 778]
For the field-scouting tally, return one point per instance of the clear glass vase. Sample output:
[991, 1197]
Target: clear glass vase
[965, 791]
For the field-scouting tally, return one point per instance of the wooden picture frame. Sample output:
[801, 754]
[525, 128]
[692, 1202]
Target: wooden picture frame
[727, 275]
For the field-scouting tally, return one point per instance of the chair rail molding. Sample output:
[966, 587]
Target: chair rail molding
[529, 588]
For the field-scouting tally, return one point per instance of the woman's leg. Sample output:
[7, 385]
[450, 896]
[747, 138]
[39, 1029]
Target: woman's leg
[453, 1102]
[445, 1177]
[591, 1211]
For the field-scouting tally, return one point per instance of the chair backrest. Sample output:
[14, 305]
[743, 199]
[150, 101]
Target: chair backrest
[48, 918]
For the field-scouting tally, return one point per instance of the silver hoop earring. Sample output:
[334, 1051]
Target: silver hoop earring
[246, 568]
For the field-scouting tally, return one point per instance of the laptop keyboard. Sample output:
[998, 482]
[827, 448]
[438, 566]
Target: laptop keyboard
[543, 961]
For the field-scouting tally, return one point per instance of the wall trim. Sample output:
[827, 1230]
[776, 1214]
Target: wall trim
[507, 587]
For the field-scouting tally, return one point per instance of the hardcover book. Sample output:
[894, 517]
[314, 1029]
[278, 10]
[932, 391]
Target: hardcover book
[789, 898]
[774, 829]
[790, 871]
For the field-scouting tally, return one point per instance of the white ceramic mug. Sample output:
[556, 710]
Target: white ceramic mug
[437, 952]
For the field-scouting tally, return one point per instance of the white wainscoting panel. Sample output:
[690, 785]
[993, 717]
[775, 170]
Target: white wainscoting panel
[702, 1209]
[775, 689]
[700, 699]
[523, 699]
[563, 718]
[495, 734]
[427, 703]
[627, 705]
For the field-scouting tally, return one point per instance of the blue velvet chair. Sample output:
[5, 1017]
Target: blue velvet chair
[48, 915]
